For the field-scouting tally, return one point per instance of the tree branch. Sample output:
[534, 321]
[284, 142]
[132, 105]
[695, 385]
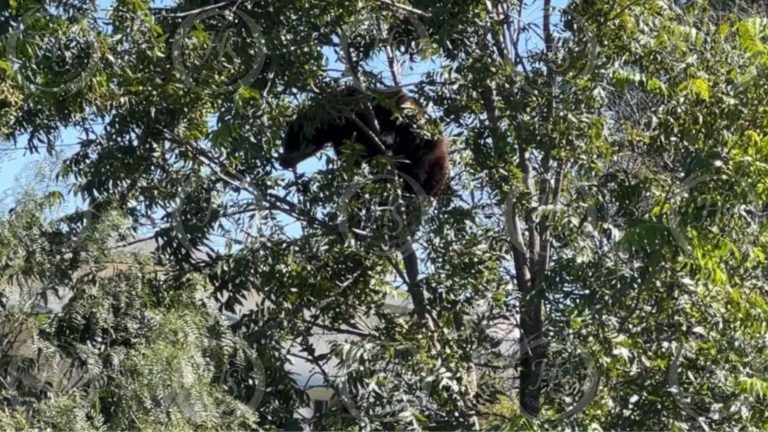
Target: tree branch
[369, 134]
[394, 68]
[497, 41]
[405, 8]
[532, 339]
[326, 327]
[192, 12]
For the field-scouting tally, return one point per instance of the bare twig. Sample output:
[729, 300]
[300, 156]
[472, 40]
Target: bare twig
[271, 200]
[346, 52]
[369, 134]
[394, 67]
[519, 254]
[192, 12]
[405, 8]
[497, 42]
[398, 270]
[518, 33]
[326, 327]
[133, 242]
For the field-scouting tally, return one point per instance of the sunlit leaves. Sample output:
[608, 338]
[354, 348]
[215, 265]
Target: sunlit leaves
[697, 87]
[656, 138]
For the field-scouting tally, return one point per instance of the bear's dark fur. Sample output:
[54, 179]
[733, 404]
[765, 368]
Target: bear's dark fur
[416, 144]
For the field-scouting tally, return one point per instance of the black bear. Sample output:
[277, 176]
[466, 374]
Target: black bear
[416, 144]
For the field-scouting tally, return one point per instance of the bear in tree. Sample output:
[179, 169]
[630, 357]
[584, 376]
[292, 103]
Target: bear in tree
[415, 142]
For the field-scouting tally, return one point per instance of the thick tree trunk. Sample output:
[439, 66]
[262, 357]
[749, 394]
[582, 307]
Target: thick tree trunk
[533, 343]
[533, 354]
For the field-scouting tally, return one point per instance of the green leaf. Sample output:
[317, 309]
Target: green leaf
[697, 86]
[6, 67]
[248, 93]
[656, 86]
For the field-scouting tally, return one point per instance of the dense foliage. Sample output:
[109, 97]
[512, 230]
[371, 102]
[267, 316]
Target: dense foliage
[598, 262]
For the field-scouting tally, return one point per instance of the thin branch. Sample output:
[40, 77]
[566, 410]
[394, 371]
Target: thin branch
[349, 61]
[522, 271]
[211, 163]
[405, 8]
[394, 67]
[369, 134]
[497, 42]
[522, 265]
[506, 34]
[518, 33]
[191, 12]
[613, 16]
[544, 252]
[133, 242]
[398, 270]
[336, 329]
[352, 67]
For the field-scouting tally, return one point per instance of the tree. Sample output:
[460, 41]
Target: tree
[125, 352]
[606, 204]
